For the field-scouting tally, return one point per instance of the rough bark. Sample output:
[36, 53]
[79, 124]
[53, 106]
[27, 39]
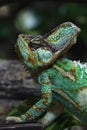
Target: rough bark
[15, 82]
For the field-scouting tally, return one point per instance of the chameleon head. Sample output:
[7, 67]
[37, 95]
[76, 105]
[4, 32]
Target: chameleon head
[39, 51]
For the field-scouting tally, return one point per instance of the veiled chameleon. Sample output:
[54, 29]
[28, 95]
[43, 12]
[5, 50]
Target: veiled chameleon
[59, 78]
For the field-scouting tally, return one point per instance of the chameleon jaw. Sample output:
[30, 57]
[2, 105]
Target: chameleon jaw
[65, 49]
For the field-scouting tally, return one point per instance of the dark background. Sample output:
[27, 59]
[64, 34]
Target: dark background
[39, 17]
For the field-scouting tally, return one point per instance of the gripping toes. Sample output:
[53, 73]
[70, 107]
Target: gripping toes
[13, 119]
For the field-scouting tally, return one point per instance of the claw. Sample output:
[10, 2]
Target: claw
[13, 119]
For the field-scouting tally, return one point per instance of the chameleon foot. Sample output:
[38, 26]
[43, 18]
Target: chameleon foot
[13, 119]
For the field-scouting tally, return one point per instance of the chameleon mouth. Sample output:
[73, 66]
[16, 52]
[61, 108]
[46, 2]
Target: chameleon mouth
[65, 47]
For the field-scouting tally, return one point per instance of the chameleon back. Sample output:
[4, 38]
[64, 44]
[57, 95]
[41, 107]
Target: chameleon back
[71, 87]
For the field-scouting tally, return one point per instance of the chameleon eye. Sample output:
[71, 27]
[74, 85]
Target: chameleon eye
[43, 56]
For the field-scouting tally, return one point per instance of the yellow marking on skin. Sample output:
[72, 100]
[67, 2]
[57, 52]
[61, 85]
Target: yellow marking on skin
[46, 96]
[64, 73]
[46, 82]
[73, 69]
[28, 115]
[31, 54]
[37, 108]
[41, 61]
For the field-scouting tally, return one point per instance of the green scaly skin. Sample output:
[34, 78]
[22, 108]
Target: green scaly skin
[59, 78]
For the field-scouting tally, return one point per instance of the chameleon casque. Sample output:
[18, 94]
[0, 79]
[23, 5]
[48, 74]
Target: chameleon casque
[59, 78]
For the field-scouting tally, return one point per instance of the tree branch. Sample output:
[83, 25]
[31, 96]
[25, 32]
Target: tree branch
[15, 82]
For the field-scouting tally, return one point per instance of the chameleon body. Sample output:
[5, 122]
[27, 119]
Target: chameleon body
[59, 78]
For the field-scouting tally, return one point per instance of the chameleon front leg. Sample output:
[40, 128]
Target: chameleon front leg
[52, 114]
[41, 105]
